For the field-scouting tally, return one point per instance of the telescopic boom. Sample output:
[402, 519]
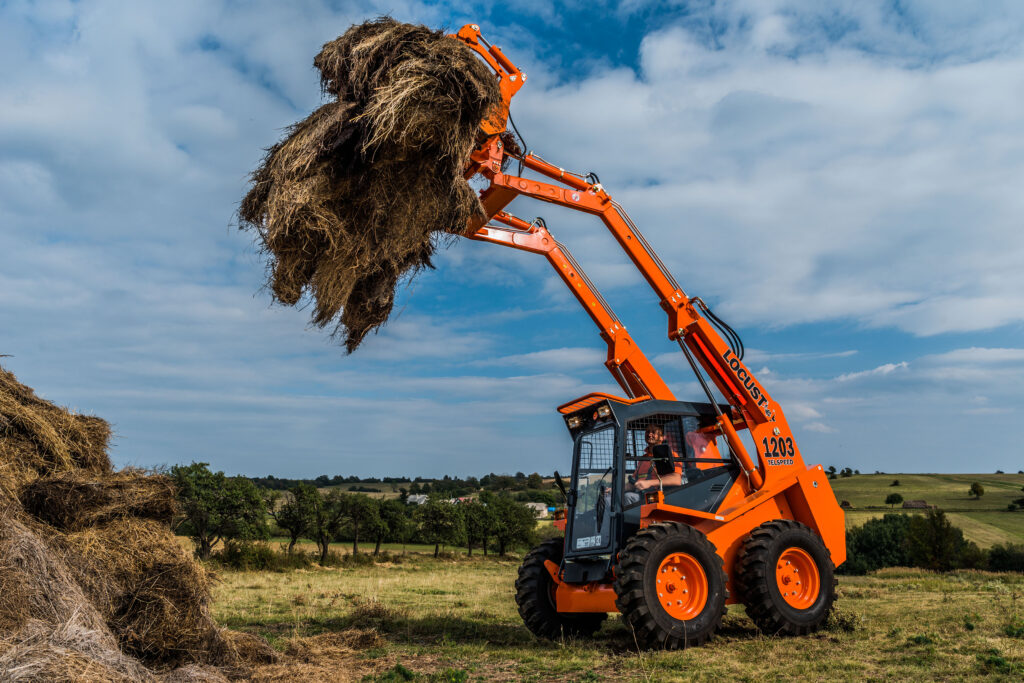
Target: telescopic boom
[689, 319]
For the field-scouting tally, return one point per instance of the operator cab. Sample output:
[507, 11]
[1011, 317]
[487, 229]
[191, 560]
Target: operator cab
[624, 452]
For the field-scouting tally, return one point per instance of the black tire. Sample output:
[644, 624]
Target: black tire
[759, 589]
[535, 599]
[636, 581]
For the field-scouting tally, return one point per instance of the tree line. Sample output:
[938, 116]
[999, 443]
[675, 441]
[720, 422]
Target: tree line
[453, 486]
[220, 509]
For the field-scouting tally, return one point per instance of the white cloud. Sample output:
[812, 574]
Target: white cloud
[886, 369]
[802, 178]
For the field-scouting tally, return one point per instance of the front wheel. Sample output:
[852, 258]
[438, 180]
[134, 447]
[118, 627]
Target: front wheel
[671, 586]
[535, 597]
[786, 578]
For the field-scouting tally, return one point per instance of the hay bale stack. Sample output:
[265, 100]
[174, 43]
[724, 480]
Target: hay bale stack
[94, 586]
[147, 587]
[354, 197]
[72, 502]
[50, 629]
[37, 437]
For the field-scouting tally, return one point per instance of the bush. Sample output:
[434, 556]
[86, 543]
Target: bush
[259, 557]
[895, 482]
[357, 560]
[333, 559]
[1006, 558]
[1015, 628]
[877, 543]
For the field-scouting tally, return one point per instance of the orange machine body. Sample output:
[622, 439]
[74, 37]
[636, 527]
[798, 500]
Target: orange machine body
[775, 485]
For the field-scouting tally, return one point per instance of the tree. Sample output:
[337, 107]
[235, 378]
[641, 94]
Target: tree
[831, 471]
[325, 518]
[217, 507]
[440, 522]
[893, 499]
[977, 490]
[934, 543]
[393, 523]
[478, 525]
[363, 513]
[513, 523]
[846, 472]
[291, 512]
[534, 481]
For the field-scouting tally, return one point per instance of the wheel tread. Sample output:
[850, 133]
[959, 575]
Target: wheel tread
[753, 579]
[630, 592]
[540, 619]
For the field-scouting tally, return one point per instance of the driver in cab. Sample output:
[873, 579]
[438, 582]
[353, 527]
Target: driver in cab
[650, 474]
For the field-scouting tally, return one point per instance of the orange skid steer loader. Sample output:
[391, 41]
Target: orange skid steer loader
[669, 516]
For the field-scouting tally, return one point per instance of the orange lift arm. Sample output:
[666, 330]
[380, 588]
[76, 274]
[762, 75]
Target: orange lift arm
[753, 407]
[626, 361]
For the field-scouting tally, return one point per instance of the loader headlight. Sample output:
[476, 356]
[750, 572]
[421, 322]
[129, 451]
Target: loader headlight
[574, 421]
[604, 411]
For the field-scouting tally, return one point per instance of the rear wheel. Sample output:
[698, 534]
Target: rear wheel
[786, 578]
[671, 586]
[535, 597]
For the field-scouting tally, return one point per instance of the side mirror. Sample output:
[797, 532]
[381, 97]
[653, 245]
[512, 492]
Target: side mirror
[561, 486]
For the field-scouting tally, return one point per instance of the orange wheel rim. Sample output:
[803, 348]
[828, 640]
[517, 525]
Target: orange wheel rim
[682, 586]
[796, 575]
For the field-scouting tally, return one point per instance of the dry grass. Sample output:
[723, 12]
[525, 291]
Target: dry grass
[443, 620]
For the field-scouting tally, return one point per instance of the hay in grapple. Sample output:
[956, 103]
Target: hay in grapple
[356, 195]
[93, 584]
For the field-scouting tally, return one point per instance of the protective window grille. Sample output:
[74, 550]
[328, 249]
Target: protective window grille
[674, 427]
[597, 450]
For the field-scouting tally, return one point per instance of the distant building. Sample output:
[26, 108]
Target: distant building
[416, 499]
[918, 505]
[540, 508]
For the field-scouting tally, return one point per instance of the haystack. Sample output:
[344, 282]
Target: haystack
[94, 586]
[71, 502]
[356, 195]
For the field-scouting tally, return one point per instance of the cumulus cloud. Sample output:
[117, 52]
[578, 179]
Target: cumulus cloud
[808, 165]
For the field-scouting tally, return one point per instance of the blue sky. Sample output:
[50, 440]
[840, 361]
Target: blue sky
[841, 180]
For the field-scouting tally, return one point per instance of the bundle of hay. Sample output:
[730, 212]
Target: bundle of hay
[354, 197]
[94, 586]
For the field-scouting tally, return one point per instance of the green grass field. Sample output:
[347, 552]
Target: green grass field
[455, 620]
[984, 520]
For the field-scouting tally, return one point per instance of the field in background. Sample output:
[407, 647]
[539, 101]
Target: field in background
[455, 620]
[414, 617]
[986, 521]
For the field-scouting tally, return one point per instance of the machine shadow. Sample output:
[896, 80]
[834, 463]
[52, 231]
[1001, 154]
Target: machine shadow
[614, 636]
